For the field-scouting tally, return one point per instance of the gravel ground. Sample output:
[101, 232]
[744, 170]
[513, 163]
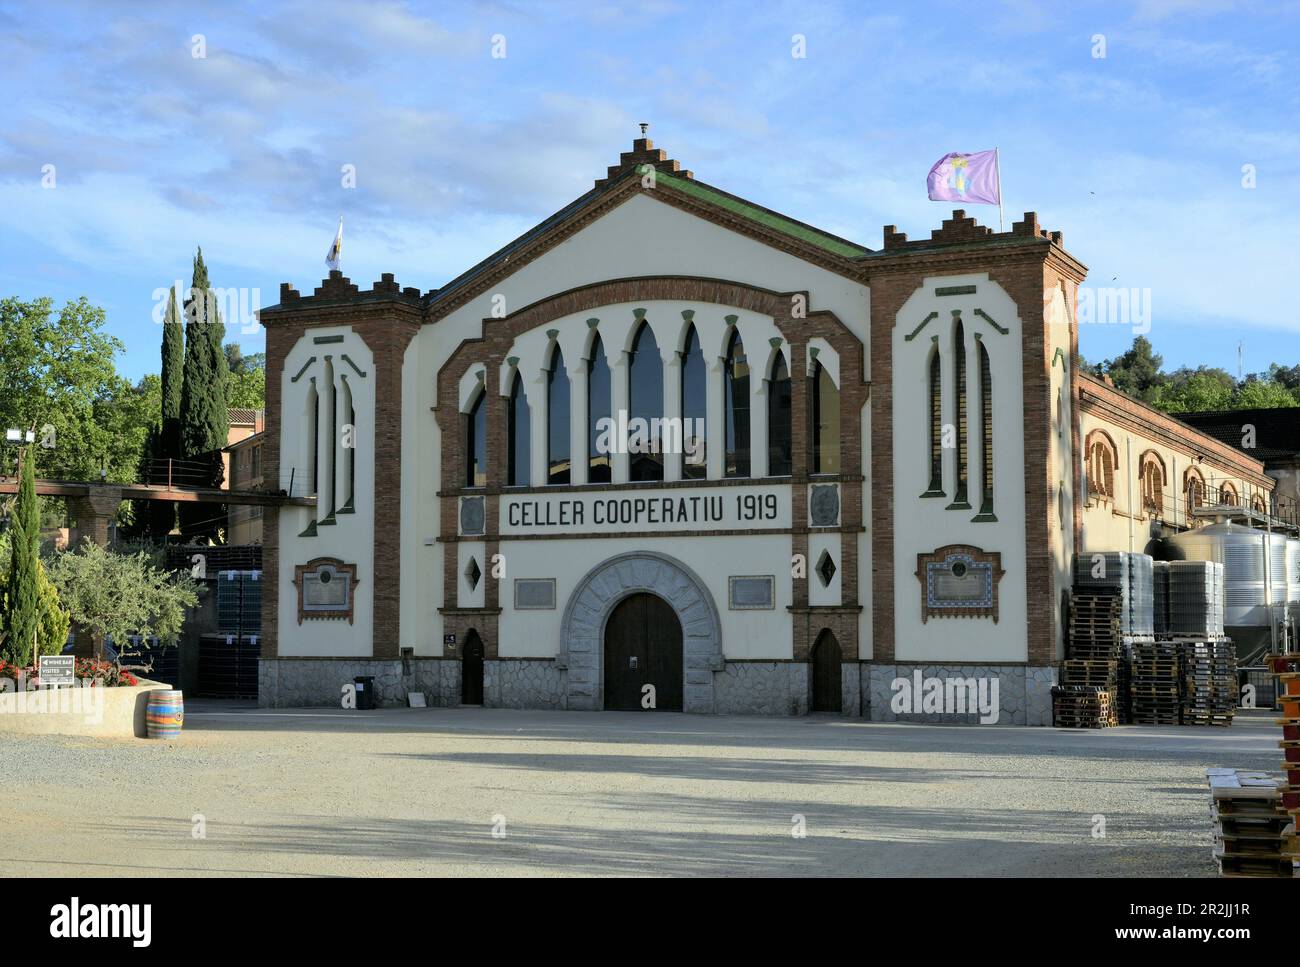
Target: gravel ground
[418, 791]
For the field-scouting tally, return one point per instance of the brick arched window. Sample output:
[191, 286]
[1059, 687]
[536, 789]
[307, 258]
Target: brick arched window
[1152, 479]
[1103, 457]
[1193, 489]
[1228, 495]
[1257, 504]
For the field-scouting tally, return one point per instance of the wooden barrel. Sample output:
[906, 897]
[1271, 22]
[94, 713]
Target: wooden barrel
[165, 713]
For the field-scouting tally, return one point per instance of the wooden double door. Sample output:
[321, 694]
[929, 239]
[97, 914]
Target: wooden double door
[643, 646]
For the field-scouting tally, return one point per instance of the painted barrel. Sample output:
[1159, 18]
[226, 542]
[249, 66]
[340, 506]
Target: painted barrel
[165, 713]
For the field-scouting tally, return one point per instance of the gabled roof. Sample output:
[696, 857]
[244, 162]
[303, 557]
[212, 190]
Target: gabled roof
[1277, 429]
[668, 174]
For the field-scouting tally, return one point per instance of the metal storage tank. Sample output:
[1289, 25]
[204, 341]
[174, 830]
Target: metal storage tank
[1293, 569]
[1250, 585]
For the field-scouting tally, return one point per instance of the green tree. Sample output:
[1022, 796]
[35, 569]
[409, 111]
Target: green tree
[115, 595]
[1263, 394]
[32, 622]
[57, 378]
[246, 387]
[1136, 372]
[1195, 390]
[171, 380]
[205, 423]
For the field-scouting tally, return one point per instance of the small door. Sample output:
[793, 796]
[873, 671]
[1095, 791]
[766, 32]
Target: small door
[643, 646]
[471, 670]
[826, 683]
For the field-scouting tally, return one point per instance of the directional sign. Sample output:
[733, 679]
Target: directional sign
[57, 670]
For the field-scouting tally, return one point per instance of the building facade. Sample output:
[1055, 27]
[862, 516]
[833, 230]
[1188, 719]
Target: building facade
[867, 466]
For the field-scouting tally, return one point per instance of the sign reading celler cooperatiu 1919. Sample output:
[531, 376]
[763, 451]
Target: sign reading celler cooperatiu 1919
[619, 511]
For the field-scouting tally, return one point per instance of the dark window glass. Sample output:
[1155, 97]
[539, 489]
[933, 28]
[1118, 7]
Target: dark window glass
[694, 408]
[476, 443]
[645, 408]
[598, 394]
[936, 424]
[520, 452]
[779, 455]
[986, 429]
[557, 419]
[959, 381]
[736, 419]
[826, 422]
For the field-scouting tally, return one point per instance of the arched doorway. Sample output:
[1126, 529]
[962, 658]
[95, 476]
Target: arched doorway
[827, 693]
[643, 646]
[471, 670]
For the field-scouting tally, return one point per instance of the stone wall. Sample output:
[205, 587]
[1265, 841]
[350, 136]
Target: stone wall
[762, 688]
[523, 683]
[1024, 692]
[318, 682]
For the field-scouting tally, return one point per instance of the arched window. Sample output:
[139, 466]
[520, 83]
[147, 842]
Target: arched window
[645, 406]
[1193, 489]
[736, 400]
[1257, 504]
[780, 458]
[694, 392]
[599, 434]
[517, 436]
[1228, 495]
[986, 432]
[349, 443]
[826, 421]
[313, 429]
[1152, 480]
[1102, 458]
[476, 443]
[936, 424]
[959, 387]
[557, 421]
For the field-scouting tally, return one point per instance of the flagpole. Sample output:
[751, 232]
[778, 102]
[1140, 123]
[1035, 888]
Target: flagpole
[997, 163]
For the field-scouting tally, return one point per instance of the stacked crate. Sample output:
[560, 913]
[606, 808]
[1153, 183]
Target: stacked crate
[1088, 696]
[1209, 681]
[228, 660]
[1287, 669]
[1155, 683]
[1195, 599]
[1253, 834]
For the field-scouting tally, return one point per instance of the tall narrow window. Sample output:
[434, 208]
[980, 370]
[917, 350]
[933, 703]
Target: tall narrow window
[936, 425]
[645, 406]
[736, 420]
[313, 424]
[348, 443]
[959, 387]
[517, 433]
[779, 440]
[557, 421]
[826, 421]
[476, 443]
[693, 408]
[986, 432]
[598, 415]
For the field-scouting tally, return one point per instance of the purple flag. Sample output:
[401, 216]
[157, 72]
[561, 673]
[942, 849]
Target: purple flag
[966, 177]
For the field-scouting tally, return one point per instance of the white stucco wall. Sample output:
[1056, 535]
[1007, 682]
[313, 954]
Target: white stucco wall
[351, 537]
[922, 525]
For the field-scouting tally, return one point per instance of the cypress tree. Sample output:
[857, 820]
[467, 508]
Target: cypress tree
[204, 421]
[173, 377]
[22, 584]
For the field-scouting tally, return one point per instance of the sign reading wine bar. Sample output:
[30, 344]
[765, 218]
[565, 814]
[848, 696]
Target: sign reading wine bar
[662, 509]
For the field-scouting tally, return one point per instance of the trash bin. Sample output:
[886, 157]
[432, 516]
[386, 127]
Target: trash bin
[365, 685]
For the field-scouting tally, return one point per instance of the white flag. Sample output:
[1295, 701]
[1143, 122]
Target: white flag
[336, 249]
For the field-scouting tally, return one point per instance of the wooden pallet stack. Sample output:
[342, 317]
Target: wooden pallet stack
[1154, 683]
[1287, 669]
[1209, 680]
[1082, 707]
[1253, 833]
[1092, 676]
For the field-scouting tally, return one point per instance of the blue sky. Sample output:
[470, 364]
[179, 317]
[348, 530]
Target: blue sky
[1137, 157]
